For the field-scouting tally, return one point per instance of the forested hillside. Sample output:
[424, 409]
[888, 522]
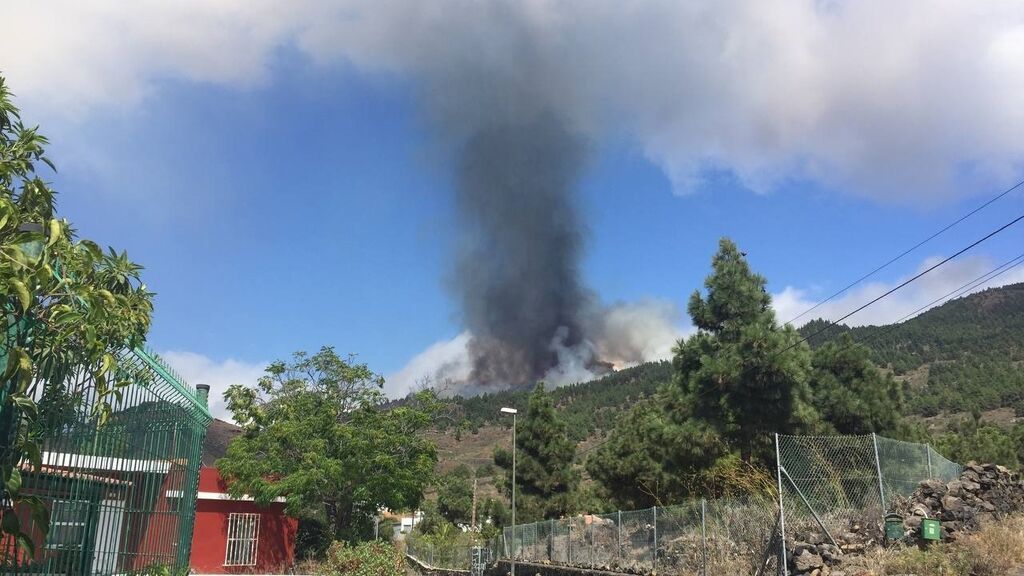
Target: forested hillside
[585, 407]
[966, 355]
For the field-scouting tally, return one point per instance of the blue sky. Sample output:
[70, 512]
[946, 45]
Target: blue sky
[312, 205]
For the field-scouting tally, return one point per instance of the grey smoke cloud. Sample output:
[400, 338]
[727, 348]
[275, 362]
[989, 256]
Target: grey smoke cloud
[899, 101]
[517, 278]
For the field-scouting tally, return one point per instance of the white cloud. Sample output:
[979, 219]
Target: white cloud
[199, 369]
[886, 99]
[791, 301]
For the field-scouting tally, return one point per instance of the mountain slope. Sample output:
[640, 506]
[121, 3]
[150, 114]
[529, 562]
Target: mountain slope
[965, 355]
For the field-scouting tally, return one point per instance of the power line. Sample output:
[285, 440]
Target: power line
[986, 277]
[906, 282]
[907, 251]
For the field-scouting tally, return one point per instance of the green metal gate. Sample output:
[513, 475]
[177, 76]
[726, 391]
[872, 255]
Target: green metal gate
[121, 495]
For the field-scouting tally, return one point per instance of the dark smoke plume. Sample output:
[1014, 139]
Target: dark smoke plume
[517, 274]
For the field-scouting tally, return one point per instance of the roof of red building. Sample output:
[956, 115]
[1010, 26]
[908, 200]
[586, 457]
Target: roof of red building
[218, 435]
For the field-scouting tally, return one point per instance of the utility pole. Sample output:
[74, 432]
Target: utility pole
[472, 522]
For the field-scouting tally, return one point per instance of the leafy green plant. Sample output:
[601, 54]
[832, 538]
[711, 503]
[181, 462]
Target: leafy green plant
[66, 304]
[546, 480]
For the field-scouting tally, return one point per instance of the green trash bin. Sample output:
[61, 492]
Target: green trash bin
[893, 527]
[931, 529]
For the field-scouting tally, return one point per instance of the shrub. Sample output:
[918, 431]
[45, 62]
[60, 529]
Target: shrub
[313, 538]
[366, 559]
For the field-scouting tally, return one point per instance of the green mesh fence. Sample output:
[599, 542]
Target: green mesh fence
[120, 496]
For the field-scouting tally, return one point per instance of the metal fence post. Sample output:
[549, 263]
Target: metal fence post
[878, 468]
[568, 542]
[928, 452]
[654, 559]
[551, 541]
[618, 536]
[703, 539]
[783, 566]
[591, 539]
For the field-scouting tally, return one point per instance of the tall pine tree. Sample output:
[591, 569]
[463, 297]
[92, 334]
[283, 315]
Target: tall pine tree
[546, 481]
[741, 372]
[738, 380]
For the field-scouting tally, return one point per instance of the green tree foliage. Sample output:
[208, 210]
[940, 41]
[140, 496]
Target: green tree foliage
[545, 478]
[455, 495]
[315, 433]
[494, 515]
[741, 372]
[629, 465]
[737, 381]
[962, 356]
[67, 304]
[853, 396]
[972, 439]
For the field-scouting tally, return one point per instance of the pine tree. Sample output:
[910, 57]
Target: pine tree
[629, 464]
[546, 481]
[741, 372]
[853, 396]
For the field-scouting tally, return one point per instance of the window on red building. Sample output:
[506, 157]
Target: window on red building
[68, 523]
[243, 532]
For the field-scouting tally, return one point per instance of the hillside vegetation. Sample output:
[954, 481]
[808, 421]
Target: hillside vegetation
[966, 355]
[585, 407]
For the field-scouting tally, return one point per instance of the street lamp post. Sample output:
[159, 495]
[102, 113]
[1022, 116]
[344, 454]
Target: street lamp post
[513, 412]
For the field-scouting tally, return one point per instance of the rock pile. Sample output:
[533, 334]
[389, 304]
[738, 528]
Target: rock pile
[982, 492]
[811, 554]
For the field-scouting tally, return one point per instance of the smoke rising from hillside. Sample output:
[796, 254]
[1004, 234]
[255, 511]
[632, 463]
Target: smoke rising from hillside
[517, 278]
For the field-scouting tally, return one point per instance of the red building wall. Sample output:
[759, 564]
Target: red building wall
[275, 549]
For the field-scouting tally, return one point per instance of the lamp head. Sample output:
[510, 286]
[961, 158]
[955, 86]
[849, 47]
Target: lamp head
[507, 410]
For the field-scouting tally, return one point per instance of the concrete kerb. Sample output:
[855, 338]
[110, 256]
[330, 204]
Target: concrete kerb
[425, 570]
[502, 568]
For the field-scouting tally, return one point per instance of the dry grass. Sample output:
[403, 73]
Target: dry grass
[996, 550]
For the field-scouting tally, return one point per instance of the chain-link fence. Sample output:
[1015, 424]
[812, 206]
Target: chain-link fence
[448, 555]
[831, 485]
[844, 485]
[723, 536]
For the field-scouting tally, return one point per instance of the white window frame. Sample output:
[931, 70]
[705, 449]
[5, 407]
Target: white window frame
[242, 544]
[57, 527]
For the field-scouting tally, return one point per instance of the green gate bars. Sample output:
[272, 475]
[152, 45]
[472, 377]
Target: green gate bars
[120, 494]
